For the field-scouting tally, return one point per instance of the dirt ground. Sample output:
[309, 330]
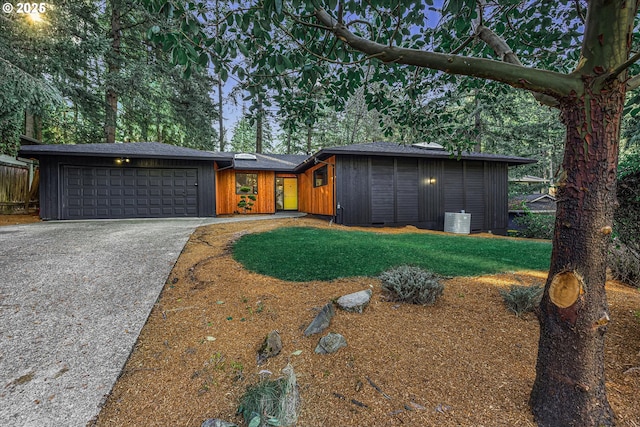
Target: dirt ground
[466, 361]
[18, 219]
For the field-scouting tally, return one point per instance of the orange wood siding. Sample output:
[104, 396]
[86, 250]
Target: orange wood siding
[227, 199]
[317, 200]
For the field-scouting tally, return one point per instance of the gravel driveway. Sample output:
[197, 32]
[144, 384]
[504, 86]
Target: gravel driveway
[73, 299]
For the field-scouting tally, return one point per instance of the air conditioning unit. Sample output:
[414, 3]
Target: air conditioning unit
[457, 222]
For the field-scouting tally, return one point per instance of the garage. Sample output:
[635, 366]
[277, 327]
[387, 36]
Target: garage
[132, 180]
[94, 192]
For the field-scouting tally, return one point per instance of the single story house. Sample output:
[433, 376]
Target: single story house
[370, 184]
[534, 204]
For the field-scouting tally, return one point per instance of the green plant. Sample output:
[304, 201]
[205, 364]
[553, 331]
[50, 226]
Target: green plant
[272, 402]
[522, 299]
[412, 284]
[237, 369]
[624, 253]
[624, 263]
[246, 200]
[535, 226]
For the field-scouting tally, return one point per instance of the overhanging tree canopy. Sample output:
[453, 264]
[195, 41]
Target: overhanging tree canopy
[574, 55]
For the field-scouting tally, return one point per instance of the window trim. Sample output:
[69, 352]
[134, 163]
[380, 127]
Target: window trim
[323, 171]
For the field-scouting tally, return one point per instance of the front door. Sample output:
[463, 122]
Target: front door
[287, 194]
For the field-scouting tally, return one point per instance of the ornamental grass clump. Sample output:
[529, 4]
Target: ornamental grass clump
[412, 285]
[272, 402]
[522, 299]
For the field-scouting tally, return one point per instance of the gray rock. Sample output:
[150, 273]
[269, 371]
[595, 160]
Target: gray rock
[330, 343]
[321, 321]
[271, 346]
[355, 302]
[216, 422]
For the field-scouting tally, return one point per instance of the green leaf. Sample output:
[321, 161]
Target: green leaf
[243, 49]
[255, 421]
[203, 59]
[187, 71]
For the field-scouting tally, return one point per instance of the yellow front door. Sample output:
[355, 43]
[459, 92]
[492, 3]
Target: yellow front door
[290, 194]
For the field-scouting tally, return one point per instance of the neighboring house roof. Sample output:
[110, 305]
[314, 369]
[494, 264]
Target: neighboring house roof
[27, 140]
[418, 150]
[153, 150]
[13, 161]
[529, 179]
[536, 203]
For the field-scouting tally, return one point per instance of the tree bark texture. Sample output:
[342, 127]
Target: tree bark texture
[220, 115]
[113, 68]
[259, 125]
[569, 389]
[32, 125]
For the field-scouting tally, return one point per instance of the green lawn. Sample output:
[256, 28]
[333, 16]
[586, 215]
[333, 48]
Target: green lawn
[304, 254]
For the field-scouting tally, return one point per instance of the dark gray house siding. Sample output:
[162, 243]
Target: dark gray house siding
[383, 190]
[92, 188]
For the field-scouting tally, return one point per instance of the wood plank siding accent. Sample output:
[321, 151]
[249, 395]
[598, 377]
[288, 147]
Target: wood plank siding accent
[317, 200]
[377, 190]
[52, 179]
[227, 199]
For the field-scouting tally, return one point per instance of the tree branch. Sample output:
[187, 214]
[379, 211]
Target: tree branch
[620, 68]
[550, 83]
[504, 52]
[633, 82]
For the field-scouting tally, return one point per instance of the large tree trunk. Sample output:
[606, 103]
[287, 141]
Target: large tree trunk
[259, 125]
[220, 115]
[113, 68]
[32, 125]
[569, 389]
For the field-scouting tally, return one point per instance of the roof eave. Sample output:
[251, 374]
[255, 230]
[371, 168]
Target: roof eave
[42, 153]
[512, 161]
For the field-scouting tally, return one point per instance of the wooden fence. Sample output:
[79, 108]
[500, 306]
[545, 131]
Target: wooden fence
[18, 191]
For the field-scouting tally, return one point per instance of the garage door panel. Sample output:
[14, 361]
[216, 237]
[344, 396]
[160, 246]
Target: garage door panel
[112, 192]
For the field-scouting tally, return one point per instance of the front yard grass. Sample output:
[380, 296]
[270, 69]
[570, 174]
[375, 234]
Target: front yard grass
[306, 254]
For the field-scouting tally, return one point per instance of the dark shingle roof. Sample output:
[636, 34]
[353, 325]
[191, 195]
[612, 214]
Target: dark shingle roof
[273, 162]
[154, 150]
[533, 202]
[400, 150]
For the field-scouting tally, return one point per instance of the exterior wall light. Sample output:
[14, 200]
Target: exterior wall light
[120, 160]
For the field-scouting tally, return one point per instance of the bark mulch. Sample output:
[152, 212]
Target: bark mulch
[466, 361]
[16, 219]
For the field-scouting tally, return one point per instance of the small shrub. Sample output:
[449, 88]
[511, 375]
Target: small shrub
[412, 284]
[246, 200]
[522, 299]
[624, 263]
[535, 226]
[272, 402]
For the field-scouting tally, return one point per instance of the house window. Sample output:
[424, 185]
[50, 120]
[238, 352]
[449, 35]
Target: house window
[247, 180]
[320, 176]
